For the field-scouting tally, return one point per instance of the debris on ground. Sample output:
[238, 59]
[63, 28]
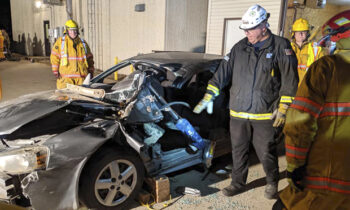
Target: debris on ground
[182, 190]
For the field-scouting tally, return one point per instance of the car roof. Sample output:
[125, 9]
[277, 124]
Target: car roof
[183, 64]
[175, 60]
[176, 57]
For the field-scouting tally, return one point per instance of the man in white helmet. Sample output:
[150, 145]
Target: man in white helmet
[262, 71]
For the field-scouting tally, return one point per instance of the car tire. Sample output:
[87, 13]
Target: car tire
[100, 188]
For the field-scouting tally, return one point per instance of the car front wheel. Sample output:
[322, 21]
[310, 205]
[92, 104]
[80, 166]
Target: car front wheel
[111, 180]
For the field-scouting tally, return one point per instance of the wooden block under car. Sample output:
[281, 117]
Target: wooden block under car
[144, 196]
[160, 188]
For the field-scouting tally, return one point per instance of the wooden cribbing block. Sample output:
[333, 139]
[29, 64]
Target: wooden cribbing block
[160, 188]
[144, 196]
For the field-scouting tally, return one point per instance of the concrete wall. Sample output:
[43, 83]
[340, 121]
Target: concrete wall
[316, 17]
[27, 25]
[186, 25]
[218, 10]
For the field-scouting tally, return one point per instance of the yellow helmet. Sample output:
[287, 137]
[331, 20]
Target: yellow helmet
[71, 24]
[300, 25]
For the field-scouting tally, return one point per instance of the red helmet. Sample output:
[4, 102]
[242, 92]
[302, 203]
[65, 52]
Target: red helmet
[338, 27]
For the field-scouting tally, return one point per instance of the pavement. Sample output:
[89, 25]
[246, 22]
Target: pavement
[23, 77]
[210, 188]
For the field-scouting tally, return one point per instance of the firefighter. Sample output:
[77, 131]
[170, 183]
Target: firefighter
[71, 58]
[262, 71]
[317, 137]
[306, 52]
[0, 89]
[2, 45]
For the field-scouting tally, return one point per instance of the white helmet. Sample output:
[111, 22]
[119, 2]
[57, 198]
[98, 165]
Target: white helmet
[255, 15]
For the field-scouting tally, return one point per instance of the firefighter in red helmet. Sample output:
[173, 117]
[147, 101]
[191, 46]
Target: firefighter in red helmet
[317, 137]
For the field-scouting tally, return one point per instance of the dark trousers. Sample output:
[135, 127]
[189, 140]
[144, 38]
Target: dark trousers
[262, 136]
[278, 205]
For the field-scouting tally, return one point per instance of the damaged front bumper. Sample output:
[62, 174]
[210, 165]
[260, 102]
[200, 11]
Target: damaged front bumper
[18, 169]
[46, 174]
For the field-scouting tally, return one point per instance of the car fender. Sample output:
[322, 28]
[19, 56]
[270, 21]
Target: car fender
[57, 186]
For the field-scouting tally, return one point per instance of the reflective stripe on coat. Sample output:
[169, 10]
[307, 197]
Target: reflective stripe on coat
[306, 55]
[317, 136]
[70, 62]
[2, 39]
[260, 80]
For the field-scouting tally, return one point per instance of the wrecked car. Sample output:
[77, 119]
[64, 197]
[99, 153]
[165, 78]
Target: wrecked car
[93, 145]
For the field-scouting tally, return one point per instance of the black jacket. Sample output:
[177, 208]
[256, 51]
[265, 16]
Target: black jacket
[258, 79]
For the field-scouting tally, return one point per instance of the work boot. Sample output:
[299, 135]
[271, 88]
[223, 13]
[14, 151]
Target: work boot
[232, 190]
[271, 191]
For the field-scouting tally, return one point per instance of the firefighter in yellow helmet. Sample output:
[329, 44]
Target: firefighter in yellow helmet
[306, 52]
[317, 134]
[71, 58]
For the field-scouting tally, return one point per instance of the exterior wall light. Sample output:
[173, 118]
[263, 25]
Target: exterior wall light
[38, 4]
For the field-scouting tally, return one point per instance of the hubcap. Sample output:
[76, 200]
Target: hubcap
[115, 182]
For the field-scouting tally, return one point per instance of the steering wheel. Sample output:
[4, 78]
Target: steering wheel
[153, 69]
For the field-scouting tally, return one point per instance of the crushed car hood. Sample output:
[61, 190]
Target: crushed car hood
[22, 110]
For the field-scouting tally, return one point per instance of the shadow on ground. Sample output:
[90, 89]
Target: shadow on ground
[204, 180]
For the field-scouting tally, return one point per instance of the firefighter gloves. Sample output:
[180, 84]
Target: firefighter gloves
[295, 177]
[208, 98]
[279, 115]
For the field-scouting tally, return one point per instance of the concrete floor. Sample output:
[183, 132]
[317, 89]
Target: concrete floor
[23, 77]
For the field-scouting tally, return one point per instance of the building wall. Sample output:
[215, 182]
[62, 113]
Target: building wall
[218, 10]
[27, 25]
[136, 32]
[186, 25]
[112, 28]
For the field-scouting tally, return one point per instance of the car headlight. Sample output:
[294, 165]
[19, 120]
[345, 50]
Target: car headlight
[24, 160]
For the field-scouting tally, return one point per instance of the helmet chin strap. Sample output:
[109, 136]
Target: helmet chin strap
[266, 33]
[73, 38]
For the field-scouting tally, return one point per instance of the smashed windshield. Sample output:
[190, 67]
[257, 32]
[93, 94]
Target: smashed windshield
[126, 89]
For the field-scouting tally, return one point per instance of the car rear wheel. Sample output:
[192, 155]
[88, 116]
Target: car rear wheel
[111, 180]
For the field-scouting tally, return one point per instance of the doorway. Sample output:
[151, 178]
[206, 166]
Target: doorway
[47, 38]
[232, 34]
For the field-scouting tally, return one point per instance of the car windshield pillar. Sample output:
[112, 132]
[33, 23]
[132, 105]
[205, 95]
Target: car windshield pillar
[100, 77]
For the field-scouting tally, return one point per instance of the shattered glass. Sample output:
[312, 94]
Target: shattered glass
[154, 132]
[126, 90]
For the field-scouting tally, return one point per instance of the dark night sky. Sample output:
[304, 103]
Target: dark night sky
[5, 16]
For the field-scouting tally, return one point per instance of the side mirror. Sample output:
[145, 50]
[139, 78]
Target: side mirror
[87, 80]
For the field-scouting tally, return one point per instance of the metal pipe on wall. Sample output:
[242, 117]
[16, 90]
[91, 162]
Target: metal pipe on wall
[69, 9]
[283, 17]
[97, 33]
[100, 35]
